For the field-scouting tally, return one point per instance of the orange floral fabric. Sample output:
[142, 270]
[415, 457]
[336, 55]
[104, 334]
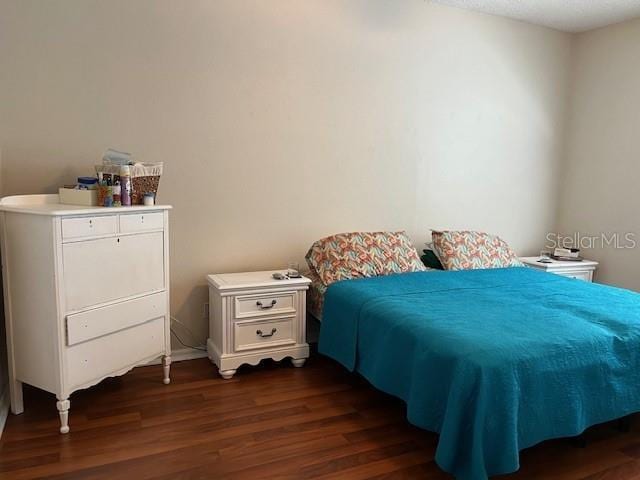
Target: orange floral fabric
[362, 254]
[467, 250]
[315, 295]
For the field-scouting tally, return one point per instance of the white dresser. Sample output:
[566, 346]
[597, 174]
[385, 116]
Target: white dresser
[86, 293]
[253, 316]
[583, 270]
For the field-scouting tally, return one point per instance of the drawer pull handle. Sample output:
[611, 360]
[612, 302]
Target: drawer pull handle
[266, 335]
[265, 307]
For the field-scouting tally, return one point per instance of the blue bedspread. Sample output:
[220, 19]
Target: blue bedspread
[493, 360]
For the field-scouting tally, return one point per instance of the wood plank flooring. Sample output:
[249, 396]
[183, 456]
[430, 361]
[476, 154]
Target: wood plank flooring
[271, 421]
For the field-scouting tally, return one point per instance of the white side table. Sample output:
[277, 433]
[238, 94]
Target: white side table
[583, 270]
[252, 316]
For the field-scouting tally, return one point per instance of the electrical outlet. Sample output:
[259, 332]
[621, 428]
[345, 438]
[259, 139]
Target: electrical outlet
[205, 310]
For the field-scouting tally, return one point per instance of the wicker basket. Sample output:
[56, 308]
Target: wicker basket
[145, 178]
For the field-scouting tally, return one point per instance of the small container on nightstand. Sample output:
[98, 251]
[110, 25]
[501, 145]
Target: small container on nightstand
[582, 270]
[253, 316]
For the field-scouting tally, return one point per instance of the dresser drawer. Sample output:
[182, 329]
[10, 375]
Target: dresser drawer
[108, 269]
[109, 355]
[86, 227]
[141, 222]
[103, 321]
[252, 306]
[263, 334]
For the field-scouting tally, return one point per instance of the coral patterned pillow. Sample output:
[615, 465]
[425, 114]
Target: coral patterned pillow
[362, 254]
[465, 250]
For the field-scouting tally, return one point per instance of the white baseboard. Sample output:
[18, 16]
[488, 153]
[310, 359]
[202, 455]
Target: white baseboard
[187, 354]
[181, 354]
[4, 408]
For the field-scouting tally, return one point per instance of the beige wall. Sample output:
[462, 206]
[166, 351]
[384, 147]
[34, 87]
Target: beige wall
[602, 169]
[280, 122]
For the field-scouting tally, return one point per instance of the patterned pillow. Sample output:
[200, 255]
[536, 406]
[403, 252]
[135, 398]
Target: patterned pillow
[465, 250]
[362, 254]
[315, 295]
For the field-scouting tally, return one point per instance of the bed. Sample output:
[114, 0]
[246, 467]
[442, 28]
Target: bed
[494, 360]
[315, 295]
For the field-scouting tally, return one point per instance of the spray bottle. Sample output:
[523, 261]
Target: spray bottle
[125, 185]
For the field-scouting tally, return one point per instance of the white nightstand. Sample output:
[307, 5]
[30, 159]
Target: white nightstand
[252, 316]
[581, 270]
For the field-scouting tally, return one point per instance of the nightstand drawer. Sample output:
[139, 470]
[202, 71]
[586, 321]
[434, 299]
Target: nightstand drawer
[269, 334]
[583, 270]
[586, 276]
[252, 306]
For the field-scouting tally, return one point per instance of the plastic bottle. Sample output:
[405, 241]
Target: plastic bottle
[125, 185]
[108, 198]
[117, 199]
[102, 190]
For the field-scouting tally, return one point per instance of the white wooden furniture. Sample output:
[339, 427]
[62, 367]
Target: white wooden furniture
[253, 316]
[583, 270]
[86, 293]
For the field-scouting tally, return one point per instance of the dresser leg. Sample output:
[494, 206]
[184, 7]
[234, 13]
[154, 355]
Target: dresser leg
[298, 362]
[227, 374]
[63, 409]
[166, 366]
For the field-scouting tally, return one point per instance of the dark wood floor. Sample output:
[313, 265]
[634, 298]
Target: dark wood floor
[271, 421]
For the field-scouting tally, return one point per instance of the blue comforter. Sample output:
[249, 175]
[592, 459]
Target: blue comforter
[493, 360]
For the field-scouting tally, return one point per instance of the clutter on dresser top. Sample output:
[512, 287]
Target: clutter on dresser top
[119, 182]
